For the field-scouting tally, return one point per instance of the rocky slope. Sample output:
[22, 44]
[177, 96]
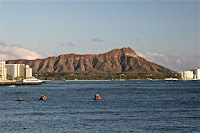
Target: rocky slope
[117, 60]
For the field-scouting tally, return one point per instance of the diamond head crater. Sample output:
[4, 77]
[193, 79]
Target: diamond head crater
[121, 63]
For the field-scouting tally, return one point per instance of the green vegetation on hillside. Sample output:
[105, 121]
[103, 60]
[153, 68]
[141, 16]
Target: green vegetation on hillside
[101, 76]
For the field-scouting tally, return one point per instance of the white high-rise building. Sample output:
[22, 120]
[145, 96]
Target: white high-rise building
[188, 75]
[19, 70]
[12, 70]
[197, 73]
[28, 71]
[3, 73]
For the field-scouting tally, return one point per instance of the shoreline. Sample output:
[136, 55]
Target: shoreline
[43, 81]
[88, 80]
[17, 83]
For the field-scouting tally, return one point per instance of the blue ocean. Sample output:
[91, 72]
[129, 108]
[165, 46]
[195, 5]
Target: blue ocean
[127, 106]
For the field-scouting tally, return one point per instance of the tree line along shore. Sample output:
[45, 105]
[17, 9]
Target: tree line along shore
[103, 76]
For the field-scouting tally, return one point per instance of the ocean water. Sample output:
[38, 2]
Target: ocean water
[126, 106]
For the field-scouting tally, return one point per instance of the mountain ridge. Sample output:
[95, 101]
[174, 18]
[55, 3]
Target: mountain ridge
[116, 60]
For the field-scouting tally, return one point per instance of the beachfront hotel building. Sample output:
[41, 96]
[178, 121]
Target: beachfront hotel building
[12, 70]
[3, 72]
[19, 70]
[197, 74]
[188, 75]
[28, 71]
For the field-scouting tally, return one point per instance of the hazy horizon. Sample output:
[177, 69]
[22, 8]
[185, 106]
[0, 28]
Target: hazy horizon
[164, 32]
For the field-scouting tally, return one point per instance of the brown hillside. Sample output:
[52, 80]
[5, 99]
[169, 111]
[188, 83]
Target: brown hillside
[116, 60]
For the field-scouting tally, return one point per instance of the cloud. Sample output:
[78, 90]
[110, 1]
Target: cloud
[2, 43]
[174, 62]
[97, 40]
[15, 52]
[67, 44]
[141, 55]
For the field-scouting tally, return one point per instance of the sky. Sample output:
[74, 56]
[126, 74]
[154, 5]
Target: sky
[166, 32]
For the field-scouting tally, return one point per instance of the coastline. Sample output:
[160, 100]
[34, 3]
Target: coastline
[17, 83]
[14, 82]
[43, 81]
